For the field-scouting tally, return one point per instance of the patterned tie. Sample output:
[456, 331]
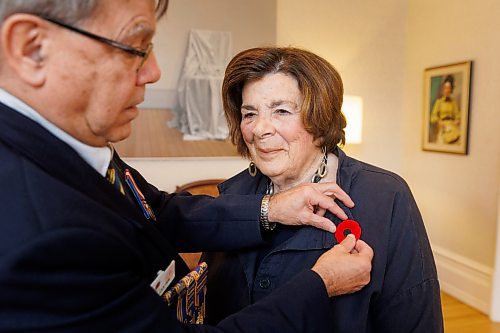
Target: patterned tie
[113, 177]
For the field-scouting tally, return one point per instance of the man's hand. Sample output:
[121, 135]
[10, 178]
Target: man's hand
[346, 267]
[307, 203]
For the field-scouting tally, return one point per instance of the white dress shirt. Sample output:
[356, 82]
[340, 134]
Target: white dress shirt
[97, 157]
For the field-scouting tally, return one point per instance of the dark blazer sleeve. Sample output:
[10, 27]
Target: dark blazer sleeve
[100, 290]
[196, 223]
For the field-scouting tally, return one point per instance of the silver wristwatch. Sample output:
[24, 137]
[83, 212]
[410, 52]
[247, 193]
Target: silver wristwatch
[264, 214]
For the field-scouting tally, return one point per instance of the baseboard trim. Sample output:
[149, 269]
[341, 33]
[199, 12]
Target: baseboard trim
[464, 279]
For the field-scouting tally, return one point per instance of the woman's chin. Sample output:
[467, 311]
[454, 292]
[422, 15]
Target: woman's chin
[270, 172]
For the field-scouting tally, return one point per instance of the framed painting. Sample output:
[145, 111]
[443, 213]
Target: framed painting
[446, 108]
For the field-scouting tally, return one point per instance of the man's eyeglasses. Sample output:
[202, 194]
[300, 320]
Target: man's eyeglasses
[144, 54]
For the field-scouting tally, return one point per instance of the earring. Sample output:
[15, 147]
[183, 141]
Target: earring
[252, 169]
[322, 170]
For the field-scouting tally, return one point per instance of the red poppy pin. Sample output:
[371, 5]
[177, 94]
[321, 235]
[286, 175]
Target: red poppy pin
[347, 227]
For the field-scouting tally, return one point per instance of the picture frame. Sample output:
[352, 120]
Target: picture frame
[446, 108]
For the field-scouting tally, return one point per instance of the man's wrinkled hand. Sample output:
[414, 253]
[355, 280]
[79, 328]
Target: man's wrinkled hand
[346, 267]
[306, 204]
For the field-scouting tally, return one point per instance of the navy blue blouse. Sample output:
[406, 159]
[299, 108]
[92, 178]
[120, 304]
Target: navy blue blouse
[403, 294]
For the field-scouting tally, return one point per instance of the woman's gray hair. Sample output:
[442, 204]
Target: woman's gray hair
[68, 11]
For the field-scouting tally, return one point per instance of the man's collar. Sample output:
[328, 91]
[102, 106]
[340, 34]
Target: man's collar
[97, 157]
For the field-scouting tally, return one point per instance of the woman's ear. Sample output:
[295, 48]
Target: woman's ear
[23, 38]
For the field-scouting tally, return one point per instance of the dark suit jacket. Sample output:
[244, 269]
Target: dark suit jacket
[403, 294]
[77, 256]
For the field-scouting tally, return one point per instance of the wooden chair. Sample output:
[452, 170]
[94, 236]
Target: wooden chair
[208, 187]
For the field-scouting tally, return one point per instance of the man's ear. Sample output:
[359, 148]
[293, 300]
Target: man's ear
[23, 41]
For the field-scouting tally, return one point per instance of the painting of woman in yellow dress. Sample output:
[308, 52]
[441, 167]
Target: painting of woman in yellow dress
[445, 115]
[446, 108]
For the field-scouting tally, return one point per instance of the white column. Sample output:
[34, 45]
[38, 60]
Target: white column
[495, 293]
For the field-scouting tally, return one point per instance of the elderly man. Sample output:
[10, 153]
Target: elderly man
[83, 235]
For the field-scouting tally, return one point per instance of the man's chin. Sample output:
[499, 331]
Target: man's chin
[120, 135]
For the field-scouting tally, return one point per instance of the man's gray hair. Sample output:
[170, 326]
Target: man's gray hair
[68, 11]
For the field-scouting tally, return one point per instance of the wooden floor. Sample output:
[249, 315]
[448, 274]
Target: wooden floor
[460, 318]
[151, 137]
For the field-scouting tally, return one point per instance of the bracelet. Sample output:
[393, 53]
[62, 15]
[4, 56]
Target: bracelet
[264, 214]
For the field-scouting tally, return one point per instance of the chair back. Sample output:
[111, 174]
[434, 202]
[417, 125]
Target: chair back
[207, 187]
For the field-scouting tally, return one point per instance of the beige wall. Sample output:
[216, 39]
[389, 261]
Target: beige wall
[457, 194]
[365, 41]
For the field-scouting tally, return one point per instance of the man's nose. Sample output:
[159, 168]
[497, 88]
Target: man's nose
[149, 72]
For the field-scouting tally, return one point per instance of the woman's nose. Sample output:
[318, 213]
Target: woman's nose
[263, 126]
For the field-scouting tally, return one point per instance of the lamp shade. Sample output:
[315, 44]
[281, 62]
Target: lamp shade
[353, 111]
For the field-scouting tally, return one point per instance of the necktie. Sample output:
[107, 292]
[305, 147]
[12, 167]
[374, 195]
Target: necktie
[113, 177]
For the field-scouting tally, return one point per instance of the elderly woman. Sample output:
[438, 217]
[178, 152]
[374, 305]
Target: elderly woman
[283, 106]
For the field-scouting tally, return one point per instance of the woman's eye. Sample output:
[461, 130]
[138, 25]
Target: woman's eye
[282, 111]
[248, 115]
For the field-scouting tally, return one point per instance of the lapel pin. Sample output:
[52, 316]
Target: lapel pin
[347, 227]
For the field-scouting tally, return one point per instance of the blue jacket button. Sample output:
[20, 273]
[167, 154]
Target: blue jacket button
[265, 283]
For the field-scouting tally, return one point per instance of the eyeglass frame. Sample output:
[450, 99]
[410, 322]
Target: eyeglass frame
[144, 54]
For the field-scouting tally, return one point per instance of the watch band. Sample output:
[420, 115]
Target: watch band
[264, 214]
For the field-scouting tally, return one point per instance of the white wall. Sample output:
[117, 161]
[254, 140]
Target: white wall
[167, 173]
[457, 194]
[495, 294]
